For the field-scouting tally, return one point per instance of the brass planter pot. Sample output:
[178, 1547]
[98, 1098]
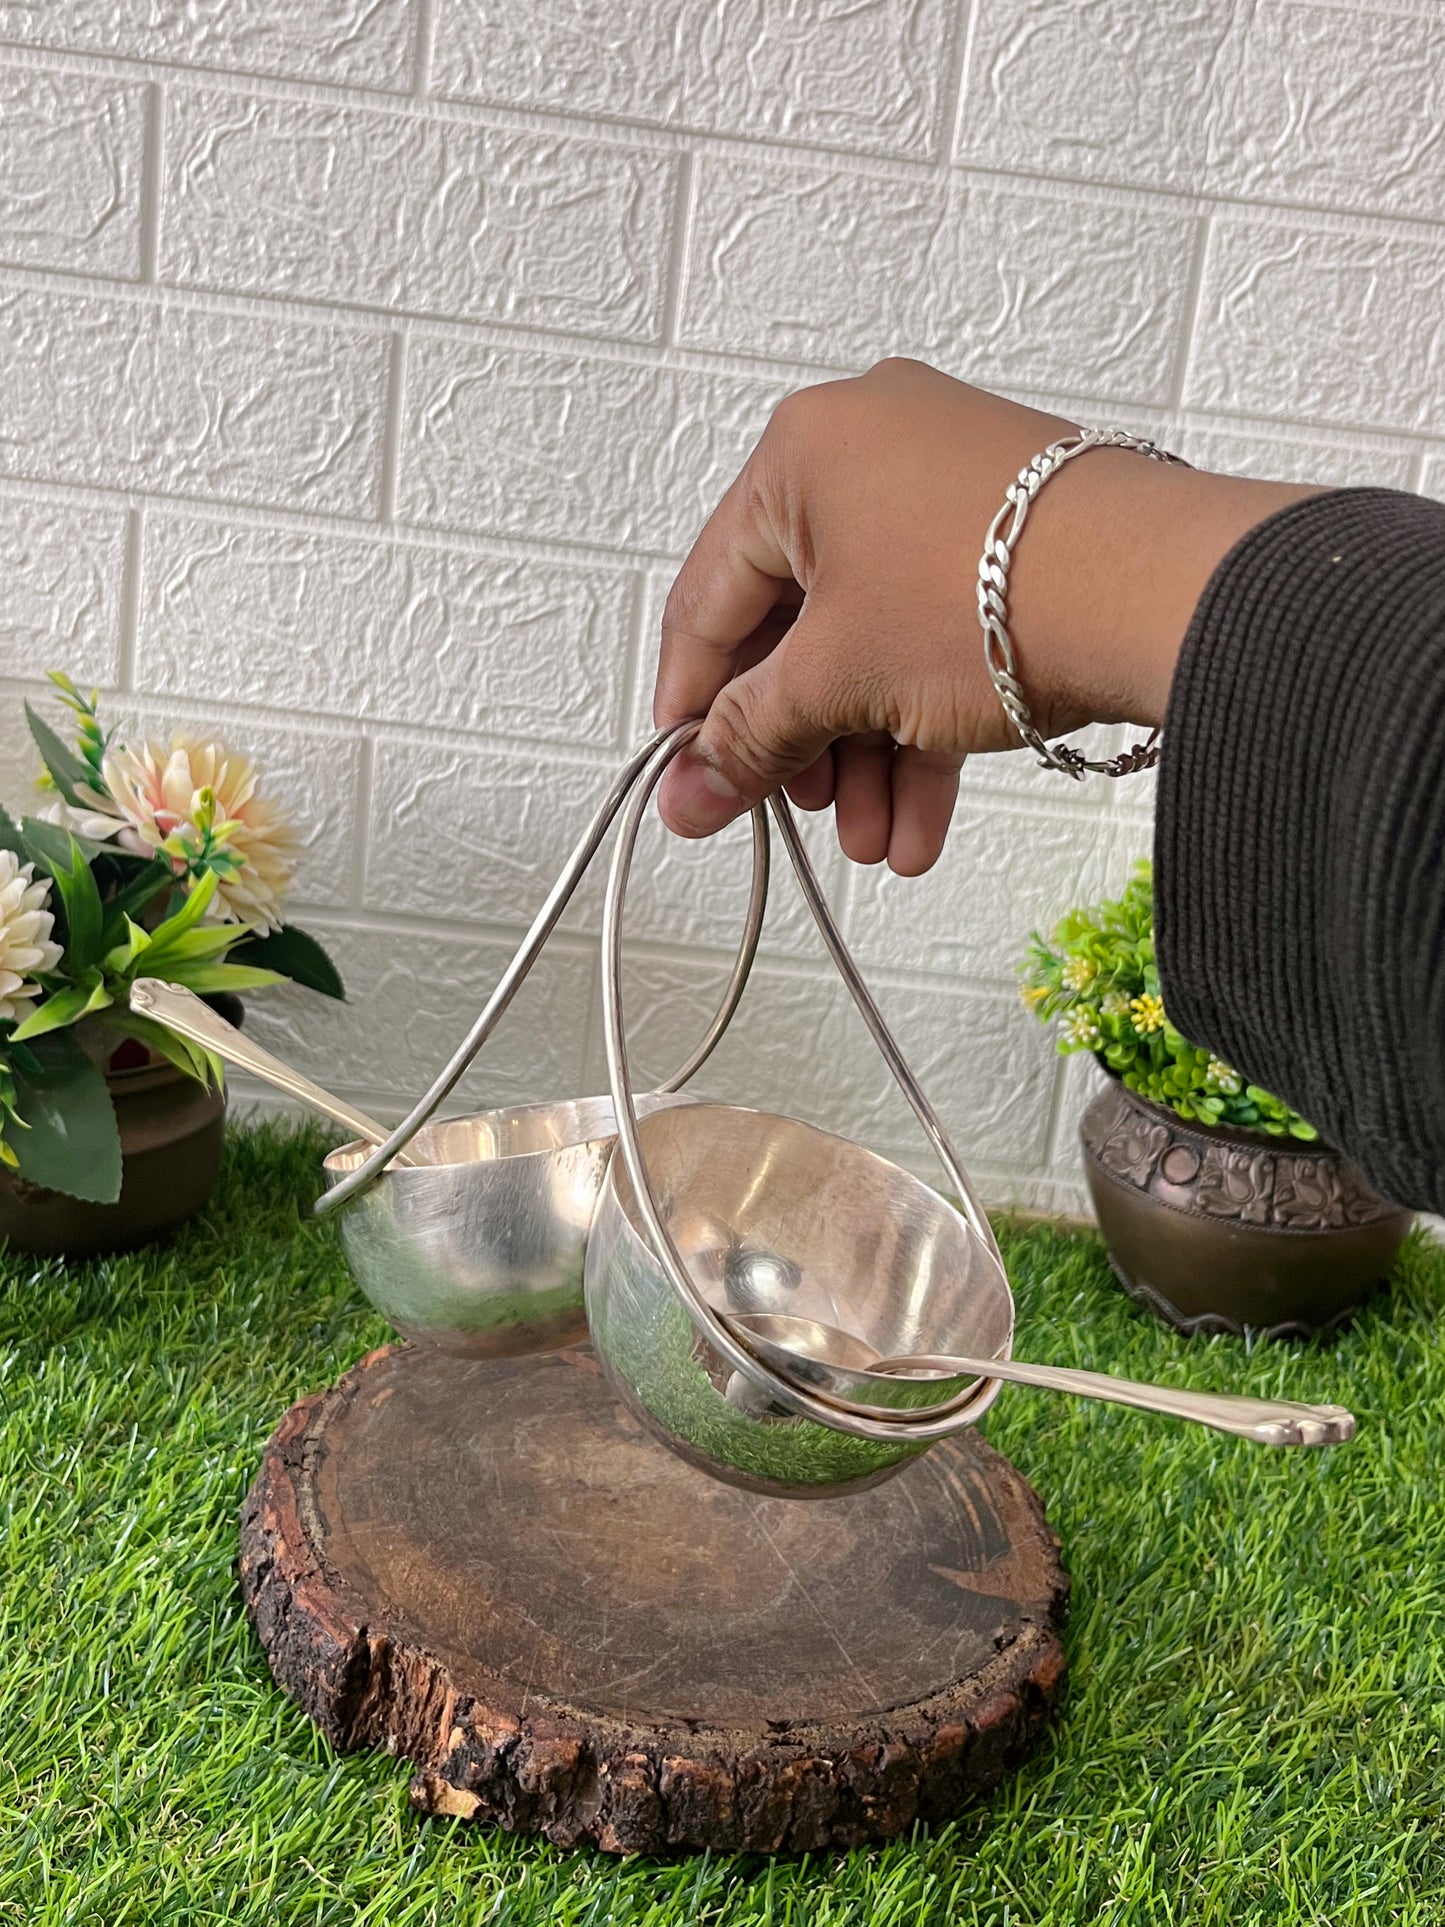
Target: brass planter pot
[171, 1134]
[1221, 1229]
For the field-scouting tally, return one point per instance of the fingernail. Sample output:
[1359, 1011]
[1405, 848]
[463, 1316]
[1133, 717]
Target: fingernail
[717, 784]
[698, 799]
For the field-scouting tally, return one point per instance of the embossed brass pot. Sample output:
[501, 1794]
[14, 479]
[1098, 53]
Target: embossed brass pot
[1219, 1229]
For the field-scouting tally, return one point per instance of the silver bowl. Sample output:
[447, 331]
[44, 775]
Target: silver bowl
[478, 1250]
[771, 1215]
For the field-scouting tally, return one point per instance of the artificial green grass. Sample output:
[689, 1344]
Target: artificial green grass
[1252, 1732]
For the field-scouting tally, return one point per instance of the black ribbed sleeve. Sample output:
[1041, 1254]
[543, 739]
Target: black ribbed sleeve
[1300, 836]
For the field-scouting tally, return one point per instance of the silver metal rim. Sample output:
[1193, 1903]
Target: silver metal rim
[929, 1422]
[512, 978]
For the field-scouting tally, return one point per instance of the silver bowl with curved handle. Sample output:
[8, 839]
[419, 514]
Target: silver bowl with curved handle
[478, 1246]
[470, 1234]
[716, 1210]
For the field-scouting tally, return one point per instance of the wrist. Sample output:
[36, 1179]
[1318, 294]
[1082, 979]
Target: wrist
[1117, 553]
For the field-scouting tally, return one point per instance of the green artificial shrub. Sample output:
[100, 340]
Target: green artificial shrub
[1095, 976]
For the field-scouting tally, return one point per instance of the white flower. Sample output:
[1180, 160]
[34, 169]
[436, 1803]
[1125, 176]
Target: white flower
[1081, 1029]
[100, 823]
[25, 927]
[162, 794]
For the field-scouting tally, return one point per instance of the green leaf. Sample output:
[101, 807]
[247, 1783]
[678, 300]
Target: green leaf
[191, 1058]
[205, 945]
[66, 1007]
[204, 978]
[11, 837]
[71, 1143]
[84, 917]
[66, 769]
[58, 1012]
[190, 913]
[49, 846]
[297, 956]
[129, 901]
[120, 962]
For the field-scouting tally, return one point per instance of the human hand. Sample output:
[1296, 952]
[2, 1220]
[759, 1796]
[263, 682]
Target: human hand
[825, 621]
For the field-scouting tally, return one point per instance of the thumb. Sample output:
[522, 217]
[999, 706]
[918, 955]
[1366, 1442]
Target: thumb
[762, 729]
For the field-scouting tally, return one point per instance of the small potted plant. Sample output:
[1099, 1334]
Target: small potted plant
[1220, 1206]
[144, 861]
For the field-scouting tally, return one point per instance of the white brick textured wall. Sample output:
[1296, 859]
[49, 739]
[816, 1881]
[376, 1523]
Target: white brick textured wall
[367, 365]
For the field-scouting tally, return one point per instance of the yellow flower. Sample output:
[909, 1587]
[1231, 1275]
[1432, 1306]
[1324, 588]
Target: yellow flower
[1147, 1013]
[1033, 995]
[164, 795]
[1079, 973]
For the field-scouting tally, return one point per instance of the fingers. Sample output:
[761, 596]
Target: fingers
[813, 788]
[863, 796]
[924, 792]
[727, 590]
[764, 728]
[894, 802]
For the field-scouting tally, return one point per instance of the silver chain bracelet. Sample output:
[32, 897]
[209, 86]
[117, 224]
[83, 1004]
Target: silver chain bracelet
[993, 571]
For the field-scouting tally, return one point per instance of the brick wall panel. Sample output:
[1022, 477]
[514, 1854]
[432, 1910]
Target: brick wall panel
[1298, 457]
[382, 209]
[1297, 104]
[502, 827]
[871, 78]
[409, 1004]
[127, 394]
[829, 265]
[1002, 875]
[1322, 324]
[511, 441]
[361, 43]
[1341, 111]
[798, 1046]
[351, 627]
[70, 172]
[60, 608]
[525, 813]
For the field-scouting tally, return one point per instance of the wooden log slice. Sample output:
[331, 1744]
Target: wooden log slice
[488, 1568]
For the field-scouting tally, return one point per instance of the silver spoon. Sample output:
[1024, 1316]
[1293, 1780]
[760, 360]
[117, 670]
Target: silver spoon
[183, 1012]
[784, 1341]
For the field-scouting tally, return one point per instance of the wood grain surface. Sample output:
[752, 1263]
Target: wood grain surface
[488, 1568]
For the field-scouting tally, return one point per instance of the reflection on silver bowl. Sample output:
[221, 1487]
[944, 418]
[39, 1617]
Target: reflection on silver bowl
[773, 1215]
[479, 1249]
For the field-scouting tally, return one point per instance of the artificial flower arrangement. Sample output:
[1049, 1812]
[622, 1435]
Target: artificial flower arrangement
[143, 862]
[1096, 976]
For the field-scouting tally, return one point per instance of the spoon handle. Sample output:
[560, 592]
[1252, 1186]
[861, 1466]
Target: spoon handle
[1268, 1421]
[182, 1010]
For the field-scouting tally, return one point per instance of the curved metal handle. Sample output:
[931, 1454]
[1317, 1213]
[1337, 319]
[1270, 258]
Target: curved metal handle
[887, 1044]
[1267, 1421]
[940, 1420]
[181, 1010]
[527, 952]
